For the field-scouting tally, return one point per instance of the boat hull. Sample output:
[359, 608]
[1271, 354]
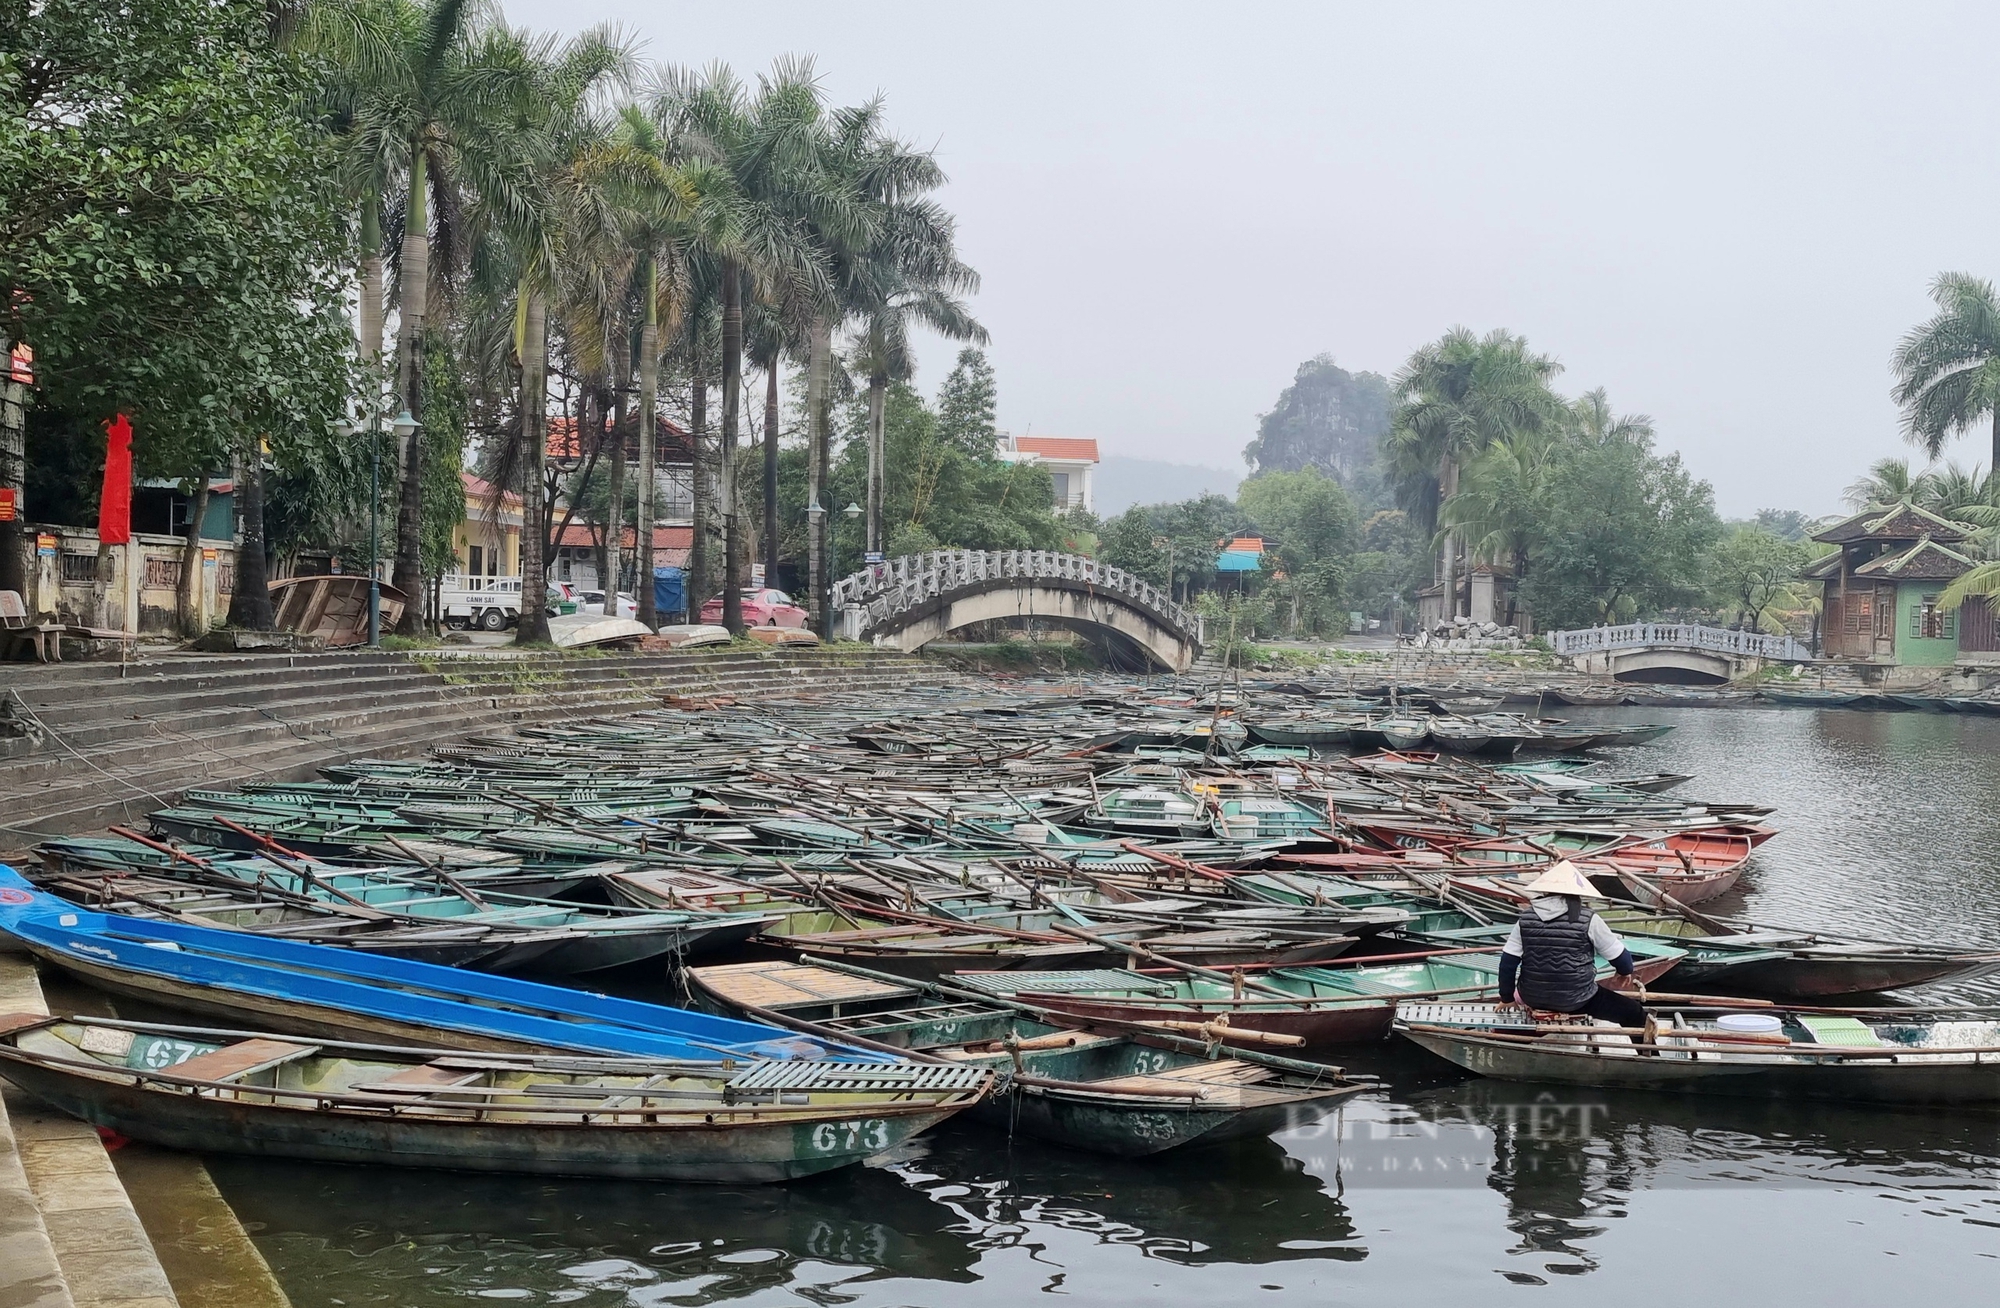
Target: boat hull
[737, 1154]
[1861, 1081]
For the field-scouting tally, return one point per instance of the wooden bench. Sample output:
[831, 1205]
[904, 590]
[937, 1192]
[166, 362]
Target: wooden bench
[233, 1062]
[421, 1079]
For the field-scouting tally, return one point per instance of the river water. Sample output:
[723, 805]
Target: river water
[1435, 1188]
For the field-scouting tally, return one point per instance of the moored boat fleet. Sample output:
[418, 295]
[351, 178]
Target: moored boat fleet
[1117, 919]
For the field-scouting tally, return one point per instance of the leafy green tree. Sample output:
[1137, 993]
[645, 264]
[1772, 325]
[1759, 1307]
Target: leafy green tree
[1948, 367]
[967, 403]
[937, 495]
[1311, 530]
[1630, 530]
[190, 278]
[1751, 570]
[1328, 418]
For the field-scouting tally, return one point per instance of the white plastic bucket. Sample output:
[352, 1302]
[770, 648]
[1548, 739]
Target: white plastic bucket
[1749, 1023]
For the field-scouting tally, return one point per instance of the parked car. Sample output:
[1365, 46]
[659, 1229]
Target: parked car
[761, 608]
[592, 601]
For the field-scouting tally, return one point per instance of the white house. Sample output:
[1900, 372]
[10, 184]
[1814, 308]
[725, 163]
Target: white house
[1071, 462]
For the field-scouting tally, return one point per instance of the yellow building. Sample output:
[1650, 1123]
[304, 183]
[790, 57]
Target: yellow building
[488, 542]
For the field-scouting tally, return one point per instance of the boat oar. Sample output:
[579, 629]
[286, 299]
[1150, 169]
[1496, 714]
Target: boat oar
[292, 862]
[437, 870]
[1138, 951]
[1219, 1031]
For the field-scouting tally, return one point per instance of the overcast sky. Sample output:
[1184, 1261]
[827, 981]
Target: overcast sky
[1725, 214]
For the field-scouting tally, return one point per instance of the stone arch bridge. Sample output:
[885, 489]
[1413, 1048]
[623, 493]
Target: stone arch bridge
[1680, 653]
[908, 602]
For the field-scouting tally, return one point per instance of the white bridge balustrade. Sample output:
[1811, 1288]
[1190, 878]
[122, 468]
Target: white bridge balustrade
[1659, 651]
[911, 600]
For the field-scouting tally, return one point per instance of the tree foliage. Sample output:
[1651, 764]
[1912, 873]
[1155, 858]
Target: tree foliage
[1627, 533]
[171, 241]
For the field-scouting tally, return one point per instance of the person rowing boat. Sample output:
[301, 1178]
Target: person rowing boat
[1549, 957]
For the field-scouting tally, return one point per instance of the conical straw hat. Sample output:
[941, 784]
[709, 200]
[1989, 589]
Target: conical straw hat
[1564, 879]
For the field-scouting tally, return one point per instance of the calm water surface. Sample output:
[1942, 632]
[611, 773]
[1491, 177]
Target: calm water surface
[1432, 1189]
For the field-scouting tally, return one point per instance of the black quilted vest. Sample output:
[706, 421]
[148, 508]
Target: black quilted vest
[1558, 962]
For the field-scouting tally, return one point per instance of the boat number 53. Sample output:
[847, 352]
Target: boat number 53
[870, 1134]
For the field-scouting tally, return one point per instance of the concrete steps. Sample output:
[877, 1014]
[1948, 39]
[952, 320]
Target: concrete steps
[122, 742]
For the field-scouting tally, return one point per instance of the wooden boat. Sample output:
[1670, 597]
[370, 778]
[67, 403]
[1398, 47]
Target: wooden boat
[296, 1096]
[1119, 1093]
[1464, 737]
[1303, 730]
[526, 933]
[1887, 1056]
[1322, 1006]
[343, 994]
[1148, 811]
[1403, 733]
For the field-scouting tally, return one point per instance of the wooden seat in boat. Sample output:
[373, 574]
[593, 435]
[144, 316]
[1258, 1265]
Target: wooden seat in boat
[239, 1060]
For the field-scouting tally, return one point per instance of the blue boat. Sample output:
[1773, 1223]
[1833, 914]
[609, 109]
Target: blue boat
[341, 994]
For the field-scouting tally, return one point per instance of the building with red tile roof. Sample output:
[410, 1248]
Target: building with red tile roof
[1071, 461]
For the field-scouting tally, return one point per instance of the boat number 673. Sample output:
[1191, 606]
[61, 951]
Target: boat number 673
[870, 1134]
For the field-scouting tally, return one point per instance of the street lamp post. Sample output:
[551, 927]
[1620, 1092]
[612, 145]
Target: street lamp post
[851, 512]
[404, 426]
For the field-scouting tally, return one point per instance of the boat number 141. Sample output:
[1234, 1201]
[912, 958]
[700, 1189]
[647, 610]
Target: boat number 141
[871, 1134]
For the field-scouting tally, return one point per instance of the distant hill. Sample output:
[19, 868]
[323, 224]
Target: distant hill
[1123, 482]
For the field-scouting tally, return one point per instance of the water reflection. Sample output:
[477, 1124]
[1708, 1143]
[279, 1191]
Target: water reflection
[362, 1236]
[1244, 1202]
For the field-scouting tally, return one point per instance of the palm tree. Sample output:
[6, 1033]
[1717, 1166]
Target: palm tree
[770, 145]
[912, 283]
[554, 207]
[435, 92]
[1500, 510]
[1457, 396]
[1888, 482]
[668, 203]
[1948, 368]
[909, 275]
[1591, 420]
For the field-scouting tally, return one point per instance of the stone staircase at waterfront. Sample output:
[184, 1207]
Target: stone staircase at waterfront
[109, 742]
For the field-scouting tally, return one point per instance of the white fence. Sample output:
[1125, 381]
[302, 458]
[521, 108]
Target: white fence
[1681, 635]
[884, 590]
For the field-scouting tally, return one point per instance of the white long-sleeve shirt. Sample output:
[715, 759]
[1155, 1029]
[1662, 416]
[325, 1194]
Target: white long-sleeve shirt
[1550, 907]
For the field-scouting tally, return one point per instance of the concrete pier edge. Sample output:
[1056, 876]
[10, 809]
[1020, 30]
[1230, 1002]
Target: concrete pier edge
[80, 1231]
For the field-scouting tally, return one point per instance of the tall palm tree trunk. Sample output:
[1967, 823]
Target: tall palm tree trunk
[698, 572]
[1448, 487]
[878, 386]
[409, 572]
[771, 470]
[732, 401]
[534, 407]
[1993, 467]
[818, 564]
[614, 527]
[371, 307]
[649, 384]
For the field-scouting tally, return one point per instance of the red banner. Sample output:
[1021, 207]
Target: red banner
[9, 509]
[114, 509]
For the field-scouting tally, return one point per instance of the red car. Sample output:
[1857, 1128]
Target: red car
[761, 608]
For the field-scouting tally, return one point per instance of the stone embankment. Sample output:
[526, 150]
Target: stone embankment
[99, 743]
